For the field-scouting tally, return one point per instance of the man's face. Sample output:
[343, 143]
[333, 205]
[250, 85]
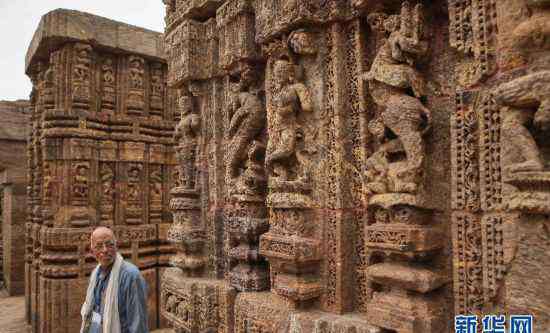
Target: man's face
[103, 247]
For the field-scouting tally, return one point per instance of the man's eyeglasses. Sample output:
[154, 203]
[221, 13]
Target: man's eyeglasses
[108, 245]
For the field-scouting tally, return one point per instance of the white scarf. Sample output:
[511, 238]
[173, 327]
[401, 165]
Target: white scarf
[110, 320]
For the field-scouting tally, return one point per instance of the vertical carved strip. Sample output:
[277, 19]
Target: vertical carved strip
[493, 254]
[329, 190]
[464, 155]
[467, 262]
[490, 152]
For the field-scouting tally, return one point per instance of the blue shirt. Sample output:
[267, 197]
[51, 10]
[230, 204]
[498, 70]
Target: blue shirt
[132, 300]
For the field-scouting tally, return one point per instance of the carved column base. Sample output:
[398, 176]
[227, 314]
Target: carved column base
[247, 223]
[300, 285]
[406, 312]
[196, 305]
[294, 265]
[270, 313]
[533, 195]
[249, 277]
[404, 241]
[187, 233]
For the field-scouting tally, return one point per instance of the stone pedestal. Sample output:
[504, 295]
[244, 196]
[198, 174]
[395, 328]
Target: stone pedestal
[247, 221]
[293, 252]
[197, 304]
[403, 241]
[187, 232]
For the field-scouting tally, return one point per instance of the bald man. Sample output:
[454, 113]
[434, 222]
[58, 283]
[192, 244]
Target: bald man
[116, 296]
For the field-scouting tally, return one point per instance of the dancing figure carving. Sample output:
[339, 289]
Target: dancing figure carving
[290, 97]
[397, 87]
[247, 120]
[187, 136]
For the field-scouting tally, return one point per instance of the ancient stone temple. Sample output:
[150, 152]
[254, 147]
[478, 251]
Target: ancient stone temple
[14, 129]
[100, 153]
[355, 165]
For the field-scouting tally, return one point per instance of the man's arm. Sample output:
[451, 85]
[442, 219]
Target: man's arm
[136, 304]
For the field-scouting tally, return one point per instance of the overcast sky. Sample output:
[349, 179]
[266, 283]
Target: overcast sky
[19, 19]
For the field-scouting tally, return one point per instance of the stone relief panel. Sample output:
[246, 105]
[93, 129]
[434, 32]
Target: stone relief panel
[355, 157]
[136, 93]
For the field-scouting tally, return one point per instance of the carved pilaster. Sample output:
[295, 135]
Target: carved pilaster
[290, 245]
[187, 231]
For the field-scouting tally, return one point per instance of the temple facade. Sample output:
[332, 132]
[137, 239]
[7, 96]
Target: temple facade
[377, 166]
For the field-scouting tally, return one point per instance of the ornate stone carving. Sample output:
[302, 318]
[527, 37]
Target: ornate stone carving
[108, 79]
[157, 90]
[391, 76]
[134, 199]
[472, 32]
[404, 240]
[247, 218]
[187, 135]
[156, 182]
[108, 192]
[82, 80]
[526, 113]
[136, 92]
[187, 231]
[235, 23]
[91, 162]
[286, 158]
[294, 261]
[197, 305]
[247, 119]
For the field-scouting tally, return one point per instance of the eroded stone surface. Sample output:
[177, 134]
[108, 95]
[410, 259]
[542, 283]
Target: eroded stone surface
[100, 153]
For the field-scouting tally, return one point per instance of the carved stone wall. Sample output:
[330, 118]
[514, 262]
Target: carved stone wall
[500, 195]
[276, 102]
[357, 162]
[13, 171]
[100, 153]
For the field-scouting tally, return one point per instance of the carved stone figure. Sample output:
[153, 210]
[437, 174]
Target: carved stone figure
[81, 74]
[157, 90]
[527, 105]
[136, 93]
[107, 181]
[109, 92]
[290, 97]
[247, 120]
[396, 86]
[80, 182]
[187, 136]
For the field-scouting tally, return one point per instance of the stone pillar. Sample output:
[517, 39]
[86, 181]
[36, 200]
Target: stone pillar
[100, 154]
[195, 297]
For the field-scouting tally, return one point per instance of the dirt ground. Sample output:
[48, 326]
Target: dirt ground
[12, 315]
